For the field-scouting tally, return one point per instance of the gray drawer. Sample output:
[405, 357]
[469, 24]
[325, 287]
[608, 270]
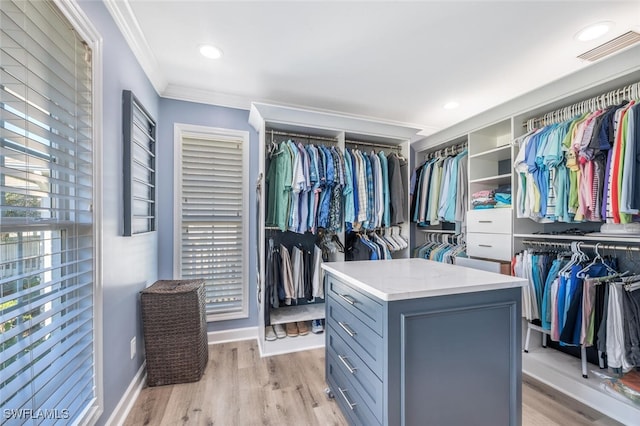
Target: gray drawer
[366, 382]
[364, 341]
[346, 395]
[364, 307]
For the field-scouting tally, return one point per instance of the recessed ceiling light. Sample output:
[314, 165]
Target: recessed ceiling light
[451, 105]
[209, 51]
[594, 31]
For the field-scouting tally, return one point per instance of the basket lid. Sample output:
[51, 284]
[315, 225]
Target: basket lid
[173, 286]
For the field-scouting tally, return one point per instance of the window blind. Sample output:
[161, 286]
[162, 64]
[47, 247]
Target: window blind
[213, 228]
[46, 219]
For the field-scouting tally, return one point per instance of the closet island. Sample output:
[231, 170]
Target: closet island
[412, 341]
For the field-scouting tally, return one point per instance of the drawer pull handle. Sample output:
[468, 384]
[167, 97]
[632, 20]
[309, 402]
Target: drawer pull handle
[344, 395]
[351, 369]
[346, 328]
[347, 299]
[485, 245]
[485, 221]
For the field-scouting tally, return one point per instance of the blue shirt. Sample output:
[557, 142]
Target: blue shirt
[386, 217]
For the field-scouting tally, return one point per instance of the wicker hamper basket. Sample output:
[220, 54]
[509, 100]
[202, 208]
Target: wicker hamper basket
[175, 331]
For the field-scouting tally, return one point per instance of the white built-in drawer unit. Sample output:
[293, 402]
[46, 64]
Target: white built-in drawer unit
[489, 234]
[489, 246]
[492, 221]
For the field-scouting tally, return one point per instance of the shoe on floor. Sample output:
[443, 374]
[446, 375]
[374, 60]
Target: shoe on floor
[303, 328]
[292, 329]
[316, 326]
[269, 333]
[281, 333]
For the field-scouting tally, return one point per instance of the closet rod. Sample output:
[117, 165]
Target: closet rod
[374, 145]
[455, 149]
[300, 135]
[605, 100]
[585, 246]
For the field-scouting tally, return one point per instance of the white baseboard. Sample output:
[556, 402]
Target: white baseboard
[234, 335]
[120, 413]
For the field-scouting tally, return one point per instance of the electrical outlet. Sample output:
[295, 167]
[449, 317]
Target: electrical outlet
[133, 347]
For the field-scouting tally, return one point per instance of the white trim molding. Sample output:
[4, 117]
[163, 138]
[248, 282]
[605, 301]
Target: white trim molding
[120, 413]
[85, 29]
[126, 21]
[180, 131]
[235, 335]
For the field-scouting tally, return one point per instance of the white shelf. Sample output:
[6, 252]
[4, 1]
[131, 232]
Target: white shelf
[292, 344]
[493, 179]
[295, 313]
[593, 236]
[563, 372]
[496, 154]
[436, 231]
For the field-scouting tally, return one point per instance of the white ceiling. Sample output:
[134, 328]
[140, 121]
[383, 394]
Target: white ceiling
[390, 60]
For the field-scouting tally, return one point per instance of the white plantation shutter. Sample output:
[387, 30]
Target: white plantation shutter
[46, 219]
[213, 219]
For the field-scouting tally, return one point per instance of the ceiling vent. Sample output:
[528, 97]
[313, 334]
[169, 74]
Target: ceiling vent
[612, 46]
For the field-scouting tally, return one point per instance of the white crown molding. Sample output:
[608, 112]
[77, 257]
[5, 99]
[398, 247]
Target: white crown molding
[191, 94]
[126, 21]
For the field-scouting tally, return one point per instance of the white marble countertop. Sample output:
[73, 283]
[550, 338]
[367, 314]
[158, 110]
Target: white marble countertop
[401, 279]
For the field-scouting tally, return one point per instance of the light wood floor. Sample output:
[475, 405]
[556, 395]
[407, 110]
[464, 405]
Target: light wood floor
[240, 388]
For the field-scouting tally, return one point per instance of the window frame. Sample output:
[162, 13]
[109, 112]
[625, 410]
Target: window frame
[182, 130]
[85, 29]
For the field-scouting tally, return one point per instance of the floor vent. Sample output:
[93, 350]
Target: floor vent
[612, 46]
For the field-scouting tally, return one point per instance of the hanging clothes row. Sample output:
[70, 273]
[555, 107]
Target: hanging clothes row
[315, 186]
[304, 187]
[586, 168]
[291, 275]
[374, 193]
[373, 245]
[582, 302]
[439, 190]
[441, 248]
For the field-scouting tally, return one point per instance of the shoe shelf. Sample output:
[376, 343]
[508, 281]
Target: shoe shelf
[295, 313]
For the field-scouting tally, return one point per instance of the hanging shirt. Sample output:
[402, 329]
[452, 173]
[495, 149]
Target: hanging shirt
[462, 198]
[627, 164]
[317, 280]
[283, 186]
[347, 191]
[434, 193]
[363, 207]
[386, 199]
[297, 186]
[303, 197]
[451, 194]
[287, 276]
[396, 190]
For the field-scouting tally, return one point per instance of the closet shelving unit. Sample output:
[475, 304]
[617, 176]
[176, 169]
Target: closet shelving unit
[489, 231]
[311, 126]
[419, 232]
[490, 156]
[490, 145]
[555, 368]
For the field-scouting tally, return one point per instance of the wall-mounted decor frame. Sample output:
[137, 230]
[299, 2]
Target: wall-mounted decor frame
[139, 167]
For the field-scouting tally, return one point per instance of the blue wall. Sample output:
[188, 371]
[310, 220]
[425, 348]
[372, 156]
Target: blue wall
[129, 263]
[173, 111]
[132, 263]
